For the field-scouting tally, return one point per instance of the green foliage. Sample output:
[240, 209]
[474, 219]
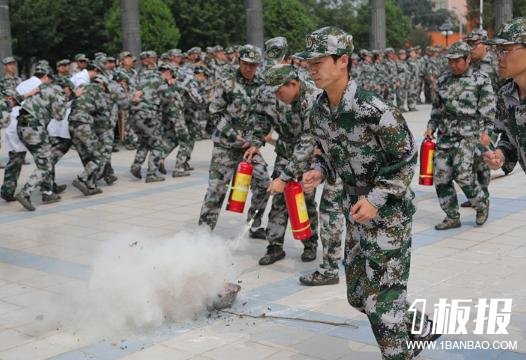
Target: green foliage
[287, 18]
[158, 29]
[207, 23]
[422, 14]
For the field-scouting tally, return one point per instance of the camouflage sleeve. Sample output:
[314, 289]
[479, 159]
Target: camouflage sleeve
[121, 97]
[438, 112]
[301, 158]
[399, 152]
[5, 113]
[486, 106]
[505, 145]
[192, 89]
[265, 110]
[58, 105]
[217, 111]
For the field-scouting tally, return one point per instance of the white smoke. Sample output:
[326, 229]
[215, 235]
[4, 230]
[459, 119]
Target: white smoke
[139, 283]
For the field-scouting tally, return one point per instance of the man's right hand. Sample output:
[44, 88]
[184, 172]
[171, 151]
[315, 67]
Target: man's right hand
[311, 179]
[249, 154]
[429, 134]
[494, 159]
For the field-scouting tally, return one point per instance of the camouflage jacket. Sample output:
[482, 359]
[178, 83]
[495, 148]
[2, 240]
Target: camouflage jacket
[488, 65]
[148, 81]
[9, 82]
[367, 144]
[172, 105]
[49, 103]
[233, 110]
[291, 122]
[464, 106]
[391, 72]
[511, 121]
[403, 73]
[90, 105]
[132, 75]
[414, 68]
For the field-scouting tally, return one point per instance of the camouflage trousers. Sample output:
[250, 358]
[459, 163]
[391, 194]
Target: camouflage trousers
[482, 171]
[332, 225]
[413, 94]
[401, 98]
[454, 161]
[12, 172]
[147, 126]
[130, 138]
[36, 140]
[186, 143]
[170, 137]
[377, 262]
[59, 148]
[278, 216]
[84, 138]
[106, 137]
[222, 168]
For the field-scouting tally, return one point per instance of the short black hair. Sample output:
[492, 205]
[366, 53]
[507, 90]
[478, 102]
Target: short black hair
[349, 64]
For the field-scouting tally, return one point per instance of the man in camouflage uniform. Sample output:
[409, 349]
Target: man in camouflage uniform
[127, 67]
[85, 109]
[284, 106]
[463, 116]
[37, 111]
[9, 100]
[392, 82]
[9, 80]
[81, 62]
[403, 76]
[413, 81]
[63, 69]
[485, 61]
[233, 107]
[146, 117]
[366, 143]
[511, 103]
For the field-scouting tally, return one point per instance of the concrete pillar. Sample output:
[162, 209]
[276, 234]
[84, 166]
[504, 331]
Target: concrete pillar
[377, 31]
[503, 12]
[5, 32]
[254, 10]
[131, 30]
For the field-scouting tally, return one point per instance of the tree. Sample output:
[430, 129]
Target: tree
[398, 26]
[56, 29]
[205, 23]
[422, 14]
[288, 18]
[158, 27]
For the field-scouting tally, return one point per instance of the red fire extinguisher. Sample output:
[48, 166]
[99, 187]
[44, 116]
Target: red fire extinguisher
[427, 150]
[298, 215]
[239, 188]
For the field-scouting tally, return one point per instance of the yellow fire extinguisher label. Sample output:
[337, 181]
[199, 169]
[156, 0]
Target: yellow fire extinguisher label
[241, 186]
[302, 208]
[429, 169]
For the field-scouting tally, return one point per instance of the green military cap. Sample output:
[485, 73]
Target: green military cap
[416, 47]
[326, 41]
[513, 32]
[389, 50]
[218, 48]
[110, 59]
[165, 56]
[250, 53]
[209, 49]
[42, 62]
[11, 92]
[99, 54]
[65, 82]
[365, 52]
[44, 70]
[477, 35]
[279, 75]
[194, 50]
[81, 57]
[63, 62]
[201, 69]
[401, 52]
[101, 79]
[236, 47]
[375, 52]
[148, 54]
[175, 52]
[121, 76]
[458, 50]
[8, 60]
[355, 56]
[126, 54]
[229, 50]
[165, 67]
[276, 49]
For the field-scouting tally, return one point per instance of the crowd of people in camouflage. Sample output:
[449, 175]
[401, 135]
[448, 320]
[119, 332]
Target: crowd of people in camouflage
[338, 116]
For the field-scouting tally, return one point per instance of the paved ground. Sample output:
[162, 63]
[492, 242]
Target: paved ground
[47, 257]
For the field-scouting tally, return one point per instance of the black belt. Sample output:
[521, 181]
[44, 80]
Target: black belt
[357, 190]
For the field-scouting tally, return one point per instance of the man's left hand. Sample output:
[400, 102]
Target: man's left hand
[363, 211]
